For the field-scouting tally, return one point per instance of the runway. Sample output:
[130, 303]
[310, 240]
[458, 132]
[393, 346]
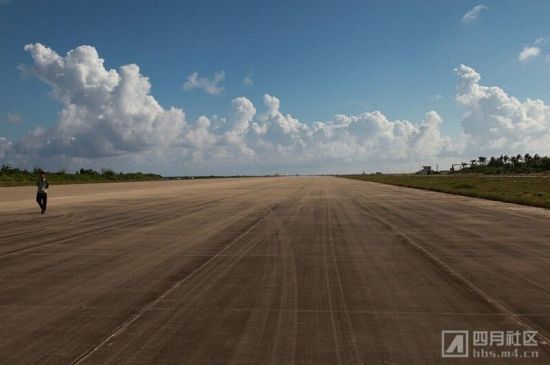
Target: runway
[286, 270]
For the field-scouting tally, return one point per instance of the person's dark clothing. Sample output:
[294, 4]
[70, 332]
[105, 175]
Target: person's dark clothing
[42, 200]
[42, 194]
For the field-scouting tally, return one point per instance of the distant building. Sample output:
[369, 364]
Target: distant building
[426, 170]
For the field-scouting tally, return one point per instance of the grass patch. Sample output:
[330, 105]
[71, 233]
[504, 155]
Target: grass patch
[526, 190]
[464, 186]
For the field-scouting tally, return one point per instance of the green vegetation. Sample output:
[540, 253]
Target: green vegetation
[528, 190]
[207, 177]
[12, 176]
[505, 165]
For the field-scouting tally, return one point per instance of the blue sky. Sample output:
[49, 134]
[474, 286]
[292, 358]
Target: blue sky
[319, 58]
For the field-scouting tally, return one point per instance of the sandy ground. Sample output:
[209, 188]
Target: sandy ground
[308, 270]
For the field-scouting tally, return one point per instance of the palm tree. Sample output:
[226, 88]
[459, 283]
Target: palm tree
[482, 160]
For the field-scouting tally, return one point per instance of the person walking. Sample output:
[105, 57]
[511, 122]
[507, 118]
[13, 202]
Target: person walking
[42, 193]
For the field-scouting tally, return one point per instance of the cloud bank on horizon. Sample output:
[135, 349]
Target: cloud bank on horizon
[110, 119]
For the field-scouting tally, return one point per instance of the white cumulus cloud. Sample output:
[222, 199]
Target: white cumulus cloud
[104, 112]
[499, 123]
[108, 118]
[528, 53]
[212, 87]
[473, 13]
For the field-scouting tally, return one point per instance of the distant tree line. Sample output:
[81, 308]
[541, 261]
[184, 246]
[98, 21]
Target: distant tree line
[15, 176]
[505, 164]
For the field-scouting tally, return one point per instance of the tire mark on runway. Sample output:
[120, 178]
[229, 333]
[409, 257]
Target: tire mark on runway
[120, 329]
[121, 223]
[355, 357]
[332, 312]
[447, 269]
[511, 248]
[289, 296]
[259, 316]
[82, 216]
[255, 326]
[445, 216]
[275, 310]
[420, 215]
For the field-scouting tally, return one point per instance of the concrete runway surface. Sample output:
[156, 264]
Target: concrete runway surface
[289, 270]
